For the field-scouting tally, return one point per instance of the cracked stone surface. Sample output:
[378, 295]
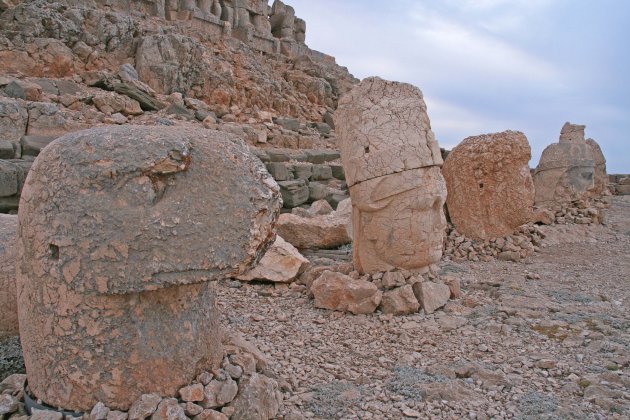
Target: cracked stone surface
[121, 230]
[490, 187]
[391, 160]
[383, 128]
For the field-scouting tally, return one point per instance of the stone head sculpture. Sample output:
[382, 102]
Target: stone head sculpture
[392, 164]
[565, 171]
[490, 187]
[120, 231]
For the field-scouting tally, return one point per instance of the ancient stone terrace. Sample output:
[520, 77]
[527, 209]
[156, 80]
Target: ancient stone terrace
[273, 30]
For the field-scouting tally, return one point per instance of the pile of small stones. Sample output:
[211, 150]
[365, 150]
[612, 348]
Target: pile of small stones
[526, 239]
[240, 388]
[582, 212]
[521, 244]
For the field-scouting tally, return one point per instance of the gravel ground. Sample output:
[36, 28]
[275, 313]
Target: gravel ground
[546, 338]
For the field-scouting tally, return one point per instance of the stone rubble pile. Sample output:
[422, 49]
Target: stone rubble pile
[399, 292]
[521, 244]
[242, 387]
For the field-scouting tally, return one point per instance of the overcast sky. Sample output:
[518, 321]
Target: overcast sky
[491, 65]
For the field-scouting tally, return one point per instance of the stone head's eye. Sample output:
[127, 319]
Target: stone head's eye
[54, 252]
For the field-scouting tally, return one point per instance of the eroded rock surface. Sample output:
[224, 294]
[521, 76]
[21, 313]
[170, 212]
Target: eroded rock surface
[391, 161]
[8, 296]
[600, 177]
[490, 187]
[120, 231]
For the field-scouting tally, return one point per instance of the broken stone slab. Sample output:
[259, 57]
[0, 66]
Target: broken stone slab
[33, 145]
[294, 193]
[490, 187]
[281, 264]
[317, 231]
[8, 293]
[432, 296]
[338, 292]
[125, 226]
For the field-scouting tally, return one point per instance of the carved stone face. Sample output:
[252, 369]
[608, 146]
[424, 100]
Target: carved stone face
[579, 179]
[399, 220]
[565, 173]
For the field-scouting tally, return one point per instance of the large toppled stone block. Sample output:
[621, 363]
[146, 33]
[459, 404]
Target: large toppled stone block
[317, 231]
[490, 187]
[8, 294]
[121, 230]
[392, 166]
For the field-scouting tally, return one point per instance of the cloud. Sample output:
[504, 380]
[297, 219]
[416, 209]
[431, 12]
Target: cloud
[491, 65]
[452, 123]
[455, 45]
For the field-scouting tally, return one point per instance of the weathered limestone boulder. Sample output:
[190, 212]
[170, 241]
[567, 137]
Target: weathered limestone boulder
[490, 187]
[8, 294]
[432, 296]
[120, 230]
[317, 231]
[400, 301]
[565, 171]
[281, 264]
[600, 177]
[392, 166]
[338, 292]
